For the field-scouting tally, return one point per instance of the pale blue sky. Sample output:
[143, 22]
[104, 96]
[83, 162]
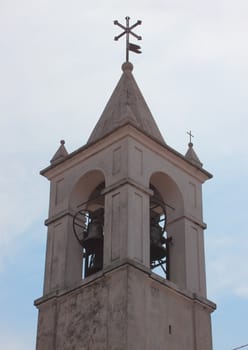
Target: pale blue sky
[59, 65]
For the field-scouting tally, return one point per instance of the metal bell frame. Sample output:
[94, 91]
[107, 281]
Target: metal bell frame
[159, 243]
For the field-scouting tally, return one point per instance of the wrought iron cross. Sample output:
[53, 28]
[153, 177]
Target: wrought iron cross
[128, 30]
[190, 136]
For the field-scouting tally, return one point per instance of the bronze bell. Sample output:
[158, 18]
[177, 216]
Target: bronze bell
[93, 242]
[93, 239]
[157, 241]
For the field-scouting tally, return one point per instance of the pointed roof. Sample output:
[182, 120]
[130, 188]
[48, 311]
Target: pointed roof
[192, 156]
[126, 106]
[60, 154]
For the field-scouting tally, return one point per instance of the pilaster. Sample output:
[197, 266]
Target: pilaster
[126, 223]
[187, 260]
[63, 254]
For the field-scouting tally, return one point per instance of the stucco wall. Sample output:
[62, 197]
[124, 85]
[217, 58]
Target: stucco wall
[125, 308]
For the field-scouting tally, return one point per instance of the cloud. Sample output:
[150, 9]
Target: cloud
[226, 265]
[23, 199]
[242, 291]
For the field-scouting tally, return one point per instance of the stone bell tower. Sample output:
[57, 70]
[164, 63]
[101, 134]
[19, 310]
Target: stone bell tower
[125, 267]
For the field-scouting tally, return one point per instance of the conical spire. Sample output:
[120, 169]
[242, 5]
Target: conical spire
[192, 156]
[126, 106]
[60, 154]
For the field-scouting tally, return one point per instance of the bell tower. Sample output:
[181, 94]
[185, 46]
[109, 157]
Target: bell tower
[125, 266]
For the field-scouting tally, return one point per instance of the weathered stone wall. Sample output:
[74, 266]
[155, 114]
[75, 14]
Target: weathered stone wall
[92, 317]
[126, 308]
[161, 317]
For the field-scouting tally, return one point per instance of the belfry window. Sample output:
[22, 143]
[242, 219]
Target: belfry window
[88, 227]
[159, 242]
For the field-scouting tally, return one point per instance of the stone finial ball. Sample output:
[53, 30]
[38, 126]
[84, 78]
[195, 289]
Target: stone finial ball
[127, 66]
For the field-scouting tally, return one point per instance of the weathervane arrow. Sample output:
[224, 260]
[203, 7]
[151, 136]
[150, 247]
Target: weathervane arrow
[128, 30]
[134, 48]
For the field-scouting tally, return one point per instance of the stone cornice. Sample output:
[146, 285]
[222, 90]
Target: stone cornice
[193, 297]
[124, 131]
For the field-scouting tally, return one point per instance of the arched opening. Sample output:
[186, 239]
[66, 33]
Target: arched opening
[165, 204]
[88, 220]
[159, 242]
